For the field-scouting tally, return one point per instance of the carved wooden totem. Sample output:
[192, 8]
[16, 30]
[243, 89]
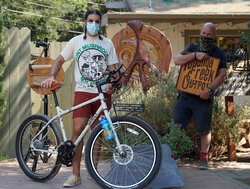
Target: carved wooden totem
[142, 48]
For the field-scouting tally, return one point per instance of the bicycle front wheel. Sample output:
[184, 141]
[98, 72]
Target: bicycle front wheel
[140, 162]
[39, 165]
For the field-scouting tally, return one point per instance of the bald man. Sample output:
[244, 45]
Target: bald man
[200, 107]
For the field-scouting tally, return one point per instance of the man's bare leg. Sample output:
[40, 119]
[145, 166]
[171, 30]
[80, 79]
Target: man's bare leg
[79, 125]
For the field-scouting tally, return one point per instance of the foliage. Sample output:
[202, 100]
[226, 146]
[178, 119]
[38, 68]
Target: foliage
[58, 20]
[2, 67]
[222, 125]
[159, 100]
[3, 157]
[159, 104]
[176, 138]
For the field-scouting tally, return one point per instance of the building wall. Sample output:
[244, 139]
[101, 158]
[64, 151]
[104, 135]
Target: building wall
[176, 32]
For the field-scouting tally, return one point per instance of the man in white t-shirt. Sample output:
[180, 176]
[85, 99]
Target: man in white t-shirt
[93, 53]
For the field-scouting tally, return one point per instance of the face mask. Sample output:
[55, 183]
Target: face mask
[207, 42]
[93, 28]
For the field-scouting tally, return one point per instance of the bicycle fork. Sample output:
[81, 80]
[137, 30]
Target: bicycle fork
[105, 109]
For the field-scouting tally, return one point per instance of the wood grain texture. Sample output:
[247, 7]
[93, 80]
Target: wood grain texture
[37, 76]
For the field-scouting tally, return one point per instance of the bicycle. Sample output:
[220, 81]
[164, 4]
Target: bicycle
[130, 160]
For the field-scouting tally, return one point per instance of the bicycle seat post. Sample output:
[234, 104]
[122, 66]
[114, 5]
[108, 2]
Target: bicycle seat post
[45, 45]
[55, 98]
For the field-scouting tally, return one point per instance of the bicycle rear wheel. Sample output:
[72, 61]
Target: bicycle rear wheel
[39, 166]
[137, 167]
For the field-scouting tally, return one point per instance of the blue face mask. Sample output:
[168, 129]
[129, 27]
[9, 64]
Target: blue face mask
[93, 28]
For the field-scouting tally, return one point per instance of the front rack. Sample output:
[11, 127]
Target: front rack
[130, 109]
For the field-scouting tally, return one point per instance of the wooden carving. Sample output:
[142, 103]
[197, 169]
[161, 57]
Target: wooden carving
[39, 71]
[141, 48]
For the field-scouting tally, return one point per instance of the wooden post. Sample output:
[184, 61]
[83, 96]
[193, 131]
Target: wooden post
[229, 102]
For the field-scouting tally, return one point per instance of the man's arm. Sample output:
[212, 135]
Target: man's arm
[112, 67]
[205, 94]
[181, 59]
[56, 66]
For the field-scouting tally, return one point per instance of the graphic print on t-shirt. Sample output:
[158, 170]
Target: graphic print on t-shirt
[90, 63]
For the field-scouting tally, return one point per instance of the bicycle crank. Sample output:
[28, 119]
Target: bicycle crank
[66, 152]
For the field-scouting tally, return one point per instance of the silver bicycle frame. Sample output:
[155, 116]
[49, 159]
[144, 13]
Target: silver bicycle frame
[60, 113]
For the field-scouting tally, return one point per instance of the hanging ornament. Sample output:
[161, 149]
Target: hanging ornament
[185, 27]
[174, 30]
[227, 24]
[120, 24]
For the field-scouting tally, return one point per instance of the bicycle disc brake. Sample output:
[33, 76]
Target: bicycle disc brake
[66, 152]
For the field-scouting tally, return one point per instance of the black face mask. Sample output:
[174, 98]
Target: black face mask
[207, 42]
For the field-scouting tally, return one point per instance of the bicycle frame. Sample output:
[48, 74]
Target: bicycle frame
[60, 113]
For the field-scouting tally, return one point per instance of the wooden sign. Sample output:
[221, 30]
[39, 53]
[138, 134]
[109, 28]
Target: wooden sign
[196, 75]
[39, 71]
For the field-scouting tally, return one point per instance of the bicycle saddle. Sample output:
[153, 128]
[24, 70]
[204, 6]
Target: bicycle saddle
[54, 86]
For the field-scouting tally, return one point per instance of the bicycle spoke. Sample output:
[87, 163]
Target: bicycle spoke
[36, 164]
[125, 170]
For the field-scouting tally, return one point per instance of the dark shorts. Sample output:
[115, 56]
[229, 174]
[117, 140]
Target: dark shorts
[187, 107]
[90, 109]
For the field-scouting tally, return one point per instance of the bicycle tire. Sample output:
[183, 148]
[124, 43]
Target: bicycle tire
[140, 164]
[39, 166]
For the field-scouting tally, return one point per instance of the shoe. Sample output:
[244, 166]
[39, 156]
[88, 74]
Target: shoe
[175, 157]
[203, 165]
[72, 181]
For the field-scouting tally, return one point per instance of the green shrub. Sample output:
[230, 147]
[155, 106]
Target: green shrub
[3, 157]
[179, 143]
[222, 125]
[159, 100]
[159, 103]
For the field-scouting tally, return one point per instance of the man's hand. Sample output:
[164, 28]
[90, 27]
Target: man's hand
[110, 90]
[205, 94]
[48, 82]
[201, 55]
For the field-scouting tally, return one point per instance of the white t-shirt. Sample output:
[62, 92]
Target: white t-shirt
[91, 56]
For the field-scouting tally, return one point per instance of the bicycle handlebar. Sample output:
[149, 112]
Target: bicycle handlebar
[41, 43]
[112, 78]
